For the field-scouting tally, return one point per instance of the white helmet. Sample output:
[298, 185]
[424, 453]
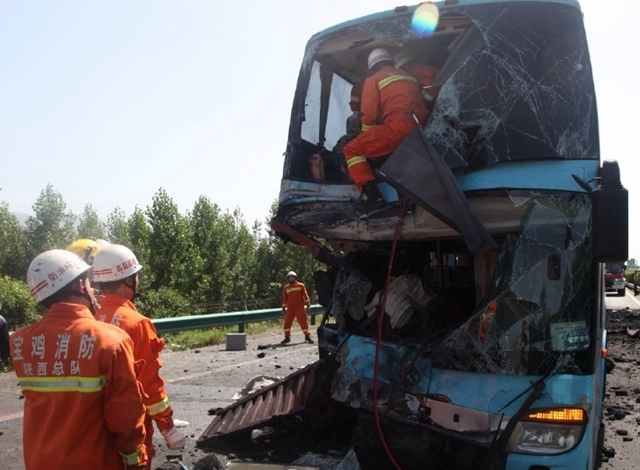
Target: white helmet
[292, 273]
[402, 59]
[50, 271]
[378, 55]
[113, 263]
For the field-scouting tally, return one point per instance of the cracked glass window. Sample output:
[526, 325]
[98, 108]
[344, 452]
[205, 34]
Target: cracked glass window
[521, 88]
[515, 82]
[538, 315]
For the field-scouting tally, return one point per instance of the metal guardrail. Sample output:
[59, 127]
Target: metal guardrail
[208, 320]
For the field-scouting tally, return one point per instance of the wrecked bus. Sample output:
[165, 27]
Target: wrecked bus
[464, 321]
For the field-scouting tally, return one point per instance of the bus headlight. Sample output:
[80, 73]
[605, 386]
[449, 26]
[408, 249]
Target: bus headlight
[548, 432]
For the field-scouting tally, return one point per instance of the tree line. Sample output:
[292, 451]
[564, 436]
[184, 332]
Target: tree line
[206, 260]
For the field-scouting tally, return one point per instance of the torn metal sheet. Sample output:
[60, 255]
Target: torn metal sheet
[417, 408]
[285, 397]
[417, 170]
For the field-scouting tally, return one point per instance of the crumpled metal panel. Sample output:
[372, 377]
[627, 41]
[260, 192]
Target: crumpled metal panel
[285, 397]
[416, 168]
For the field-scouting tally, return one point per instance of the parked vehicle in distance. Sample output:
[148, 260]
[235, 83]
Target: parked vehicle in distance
[614, 277]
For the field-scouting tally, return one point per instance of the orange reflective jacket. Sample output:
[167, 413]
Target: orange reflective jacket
[83, 405]
[295, 297]
[426, 75]
[390, 95]
[122, 313]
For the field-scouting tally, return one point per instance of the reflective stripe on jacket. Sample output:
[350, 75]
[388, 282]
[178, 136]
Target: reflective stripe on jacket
[120, 312]
[295, 297]
[426, 75]
[389, 95]
[82, 405]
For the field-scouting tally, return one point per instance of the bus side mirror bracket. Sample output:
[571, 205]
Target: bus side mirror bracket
[610, 216]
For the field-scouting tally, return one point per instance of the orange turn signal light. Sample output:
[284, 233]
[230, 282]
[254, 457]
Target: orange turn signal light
[558, 415]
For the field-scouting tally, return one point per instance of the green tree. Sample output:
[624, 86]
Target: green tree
[14, 254]
[139, 235]
[274, 258]
[18, 306]
[164, 302]
[241, 262]
[226, 251]
[52, 226]
[172, 255]
[118, 228]
[89, 224]
[208, 231]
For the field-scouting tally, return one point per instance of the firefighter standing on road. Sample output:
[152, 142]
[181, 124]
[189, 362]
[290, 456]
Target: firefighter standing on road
[295, 304]
[115, 271]
[390, 99]
[83, 407]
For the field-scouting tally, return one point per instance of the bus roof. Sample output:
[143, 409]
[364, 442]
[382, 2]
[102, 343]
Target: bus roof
[404, 10]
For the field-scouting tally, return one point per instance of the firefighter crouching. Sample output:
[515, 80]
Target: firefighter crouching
[83, 407]
[115, 272]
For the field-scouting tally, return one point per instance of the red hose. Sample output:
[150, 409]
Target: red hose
[380, 325]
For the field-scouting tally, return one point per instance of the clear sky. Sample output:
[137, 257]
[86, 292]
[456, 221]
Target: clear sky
[111, 100]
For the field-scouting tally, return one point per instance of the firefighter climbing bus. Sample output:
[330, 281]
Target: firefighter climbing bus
[464, 323]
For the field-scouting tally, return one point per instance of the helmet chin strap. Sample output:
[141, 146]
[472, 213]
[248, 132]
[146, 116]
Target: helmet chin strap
[89, 293]
[133, 289]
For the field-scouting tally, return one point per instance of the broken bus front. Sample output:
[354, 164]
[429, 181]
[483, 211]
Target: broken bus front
[488, 256]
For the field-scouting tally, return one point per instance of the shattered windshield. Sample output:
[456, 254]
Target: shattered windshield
[538, 315]
[520, 88]
[514, 83]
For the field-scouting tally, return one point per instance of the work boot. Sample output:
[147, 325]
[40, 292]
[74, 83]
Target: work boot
[307, 339]
[374, 198]
[286, 340]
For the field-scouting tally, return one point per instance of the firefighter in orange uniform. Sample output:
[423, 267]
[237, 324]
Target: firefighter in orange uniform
[85, 248]
[83, 406]
[425, 74]
[115, 272]
[295, 304]
[390, 98]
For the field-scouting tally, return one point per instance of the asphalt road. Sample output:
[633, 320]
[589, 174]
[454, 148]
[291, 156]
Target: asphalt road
[622, 417]
[208, 378]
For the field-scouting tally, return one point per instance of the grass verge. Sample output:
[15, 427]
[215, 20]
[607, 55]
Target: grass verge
[192, 339]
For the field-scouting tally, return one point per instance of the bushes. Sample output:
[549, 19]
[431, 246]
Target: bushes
[162, 303]
[18, 307]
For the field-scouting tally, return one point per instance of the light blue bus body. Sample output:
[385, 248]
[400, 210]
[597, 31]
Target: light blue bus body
[490, 351]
